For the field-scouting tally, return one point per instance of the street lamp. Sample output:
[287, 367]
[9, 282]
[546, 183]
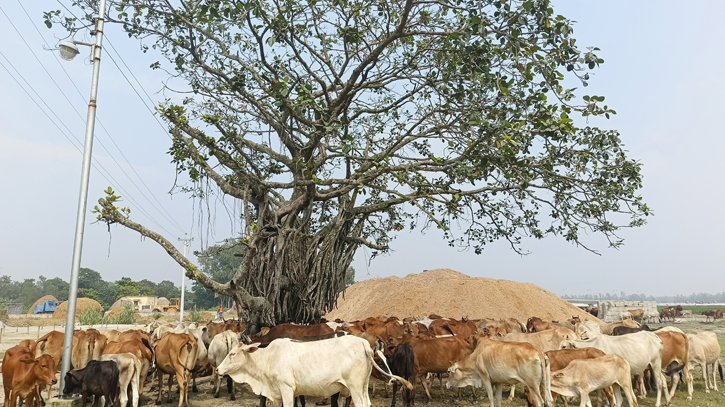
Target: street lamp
[68, 51]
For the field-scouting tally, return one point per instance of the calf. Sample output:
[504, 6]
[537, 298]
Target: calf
[402, 363]
[432, 355]
[139, 348]
[129, 370]
[23, 375]
[583, 376]
[97, 379]
[675, 354]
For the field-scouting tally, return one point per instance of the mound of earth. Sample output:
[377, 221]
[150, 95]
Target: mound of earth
[82, 305]
[449, 293]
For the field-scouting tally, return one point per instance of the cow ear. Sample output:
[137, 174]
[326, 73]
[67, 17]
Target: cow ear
[251, 348]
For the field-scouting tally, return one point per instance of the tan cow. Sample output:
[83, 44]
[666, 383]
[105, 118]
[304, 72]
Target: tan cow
[113, 335]
[129, 376]
[637, 314]
[87, 345]
[583, 376]
[550, 339]
[559, 359]
[675, 351]
[607, 329]
[494, 363]
[139, 348]
[176, 355]
[711, 349]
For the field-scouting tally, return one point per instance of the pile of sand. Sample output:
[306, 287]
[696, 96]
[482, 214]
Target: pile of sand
[451, 294]
[82, 305]
[40, 301]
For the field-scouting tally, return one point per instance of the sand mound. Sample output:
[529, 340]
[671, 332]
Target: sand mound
[82, 304]
[40, 301]
[451, 294]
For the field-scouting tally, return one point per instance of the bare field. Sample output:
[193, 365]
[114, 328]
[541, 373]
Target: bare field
[446, 398]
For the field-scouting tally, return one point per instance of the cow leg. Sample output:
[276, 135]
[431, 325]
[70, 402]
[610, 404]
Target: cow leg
[216, 381]
[288, 396]
[134, 389]
[171, 381]
[193, 386]
[714, 374]
[499, 390]
[440, 378]
[395, 390]
[425, 387]
[262, 401]
[159, 378]
[513, 391]
[230, 388]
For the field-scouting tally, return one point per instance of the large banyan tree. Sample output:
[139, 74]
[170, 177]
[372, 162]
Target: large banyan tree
[338, 123]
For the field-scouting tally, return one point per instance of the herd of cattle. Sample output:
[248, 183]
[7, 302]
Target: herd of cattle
[337, 359]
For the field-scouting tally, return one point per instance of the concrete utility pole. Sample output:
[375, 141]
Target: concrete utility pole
[85, 177]
[186, 241]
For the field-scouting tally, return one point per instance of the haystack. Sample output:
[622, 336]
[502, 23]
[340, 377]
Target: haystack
[82, 305]
[163, 301]
[121, 303]
[40, 301]
[451, 294]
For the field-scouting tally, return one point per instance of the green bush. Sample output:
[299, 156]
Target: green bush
[91, 317]
[127, 315]
[4, 310]
[195, 315]
[158, 315]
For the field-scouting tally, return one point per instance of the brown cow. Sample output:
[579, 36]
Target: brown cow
[667, 313]
[23, 375]
[214, 328]
[176, 355]
[432, 355]
[709, 314]
[139, 348]
[462, 329]
[300, 330]
[132, 334]
[676, 350]
[51, 344]
[27, 343]
[718, 313]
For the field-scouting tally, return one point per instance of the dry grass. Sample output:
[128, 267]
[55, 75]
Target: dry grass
[82, 305]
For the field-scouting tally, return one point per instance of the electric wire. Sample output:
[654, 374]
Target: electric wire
[168, 217]
[96, 164]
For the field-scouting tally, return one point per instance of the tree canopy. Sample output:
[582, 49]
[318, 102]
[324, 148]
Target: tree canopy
[338, 123]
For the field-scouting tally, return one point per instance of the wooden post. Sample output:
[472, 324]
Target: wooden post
[38, 332]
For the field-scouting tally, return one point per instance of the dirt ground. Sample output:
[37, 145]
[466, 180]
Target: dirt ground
[247, 399]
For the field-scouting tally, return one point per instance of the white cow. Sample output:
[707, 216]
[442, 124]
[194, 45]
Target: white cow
[129, 369]
[494, 363]
[583, 376]
[641, 350]
[651, 316]
[219, 348]
[287, 368]
[588, 329]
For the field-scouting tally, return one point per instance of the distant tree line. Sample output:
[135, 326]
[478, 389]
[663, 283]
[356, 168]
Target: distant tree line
[90, 285]
[699, 297]
[219, 262]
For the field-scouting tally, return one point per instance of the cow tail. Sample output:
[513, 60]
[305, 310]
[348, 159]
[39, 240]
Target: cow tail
[375, 365]
[149, 348]
[719, 368]
[546, 367]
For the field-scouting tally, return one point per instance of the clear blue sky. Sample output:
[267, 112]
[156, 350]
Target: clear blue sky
[663, 73]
